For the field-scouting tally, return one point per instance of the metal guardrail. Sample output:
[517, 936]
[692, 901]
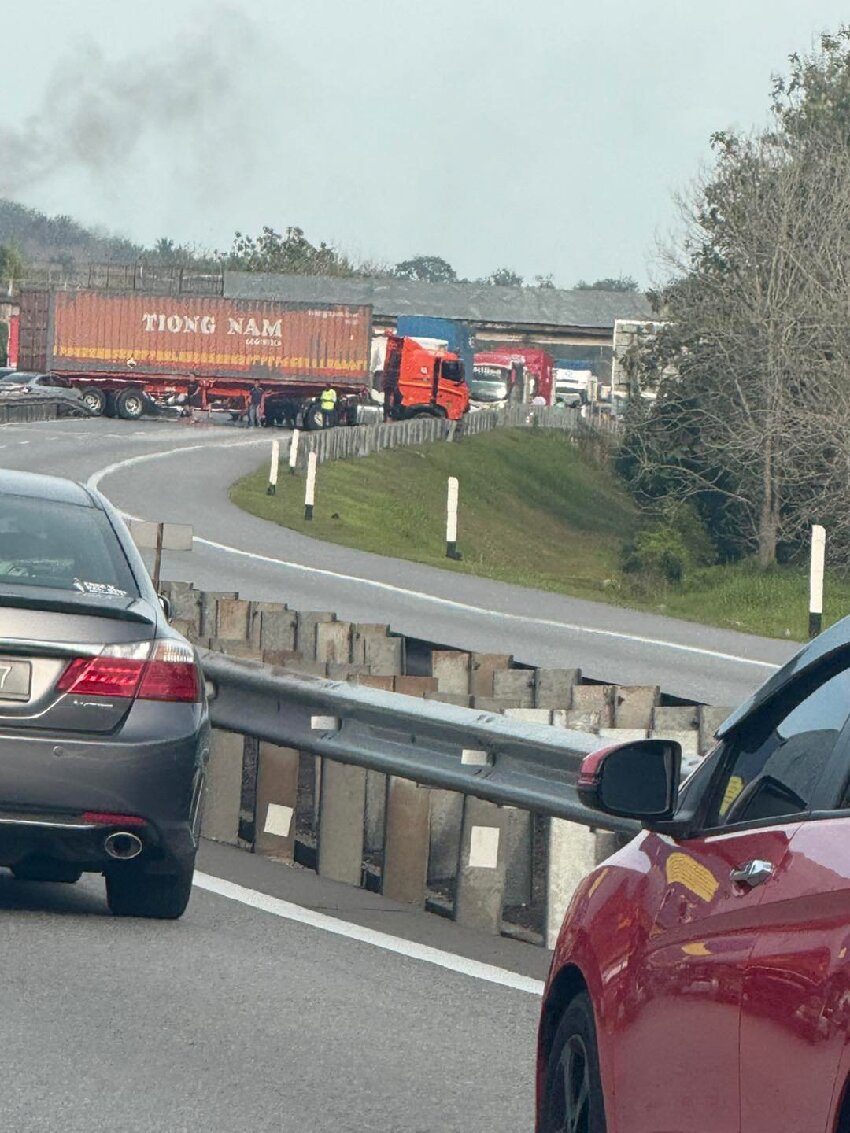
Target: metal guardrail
[487, 756]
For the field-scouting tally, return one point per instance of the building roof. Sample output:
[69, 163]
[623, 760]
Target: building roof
[474, 302]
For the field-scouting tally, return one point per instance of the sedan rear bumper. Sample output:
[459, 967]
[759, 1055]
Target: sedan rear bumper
[48, 784]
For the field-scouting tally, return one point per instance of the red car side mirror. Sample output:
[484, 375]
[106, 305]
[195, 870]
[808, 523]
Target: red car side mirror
[633, 780]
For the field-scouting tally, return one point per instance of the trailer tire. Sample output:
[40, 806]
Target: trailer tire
[130, 404]
[313, 416]
[109, 409]
[94, 400]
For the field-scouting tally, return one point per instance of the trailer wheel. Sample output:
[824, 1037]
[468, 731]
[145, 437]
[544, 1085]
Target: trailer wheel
[109, 407]
[130, 404]
[314, 418]
[94, 400]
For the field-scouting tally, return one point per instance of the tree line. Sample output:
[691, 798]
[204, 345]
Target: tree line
[27, 235]
[750, 425]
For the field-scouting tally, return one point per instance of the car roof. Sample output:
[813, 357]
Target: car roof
[38, 487]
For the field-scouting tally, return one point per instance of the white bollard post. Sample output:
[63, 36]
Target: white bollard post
[272, 488]
[451, 519]
[816, 580]
[293, 451]
[310, 491]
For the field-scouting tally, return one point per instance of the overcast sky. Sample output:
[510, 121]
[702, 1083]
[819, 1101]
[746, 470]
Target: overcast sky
[544, 135]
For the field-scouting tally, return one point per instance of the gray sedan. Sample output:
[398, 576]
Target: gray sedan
[104, 728]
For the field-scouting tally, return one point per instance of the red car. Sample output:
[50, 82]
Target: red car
[701, 980]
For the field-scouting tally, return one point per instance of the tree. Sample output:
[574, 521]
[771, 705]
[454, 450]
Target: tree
[752, 368]
[11, 267]
[290, 253]
[609, 283]
[546, 282]
[428, 269]
[504, 277]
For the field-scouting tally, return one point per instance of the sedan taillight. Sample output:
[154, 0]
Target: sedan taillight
[165, 670]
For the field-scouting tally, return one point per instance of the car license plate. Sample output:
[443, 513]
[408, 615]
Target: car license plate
[14, 679]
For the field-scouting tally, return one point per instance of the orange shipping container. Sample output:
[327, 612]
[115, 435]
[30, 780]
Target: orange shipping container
[141, 334]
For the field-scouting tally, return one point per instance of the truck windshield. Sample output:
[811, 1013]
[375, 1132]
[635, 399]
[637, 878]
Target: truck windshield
[62, 547]
[489, 390]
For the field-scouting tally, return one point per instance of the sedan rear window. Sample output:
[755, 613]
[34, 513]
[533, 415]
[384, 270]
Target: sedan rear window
[61, 547]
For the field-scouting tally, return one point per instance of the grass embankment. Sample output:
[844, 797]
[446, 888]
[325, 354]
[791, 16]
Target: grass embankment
[533, 511]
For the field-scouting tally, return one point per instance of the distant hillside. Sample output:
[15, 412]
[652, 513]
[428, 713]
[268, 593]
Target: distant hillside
[41, 238]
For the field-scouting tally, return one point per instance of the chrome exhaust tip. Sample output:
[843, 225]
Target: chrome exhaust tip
[122, 845]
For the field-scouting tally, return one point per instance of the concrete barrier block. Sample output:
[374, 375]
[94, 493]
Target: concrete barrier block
[414, 686]
[553, 688]
[342, 814]
[384, 655]
[622, 735]
[360, 634]
[232, 619]
[224, 787]
[208, 610]
[515, 684]
[676, 719]
[185, 603]
[333, 642]
[517, 856]
[710, 719]
[580, 719]
[596, 698]
[633, 705]
[572, 855]
[449, 698]
[492, 703]
[446, 819]
[374, 680]
[450, 669]
[482, 666]
[275, 630]
[305, 633]
[349, 672]
[482, 867]
[376, 807]
[406, 841]
[530, 715]
[277, 797]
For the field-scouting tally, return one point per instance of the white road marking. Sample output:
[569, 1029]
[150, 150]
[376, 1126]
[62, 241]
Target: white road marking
[95, 479]
[408, 948]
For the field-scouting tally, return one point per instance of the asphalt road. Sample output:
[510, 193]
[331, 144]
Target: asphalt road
[237, 1018]
[181, 473]
[282, 1001]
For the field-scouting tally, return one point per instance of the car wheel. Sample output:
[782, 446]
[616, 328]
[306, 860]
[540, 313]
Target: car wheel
[130, 892]
[572, 1097]
[94, 400]
[130, 404]
[59, 872]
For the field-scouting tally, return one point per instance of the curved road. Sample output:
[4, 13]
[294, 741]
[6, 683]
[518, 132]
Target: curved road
[282, 1001]
[181, 473]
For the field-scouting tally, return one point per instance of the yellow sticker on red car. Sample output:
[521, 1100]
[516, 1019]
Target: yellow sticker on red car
[692, 876]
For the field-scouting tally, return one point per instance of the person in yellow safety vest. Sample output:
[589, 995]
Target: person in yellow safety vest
[327, 403]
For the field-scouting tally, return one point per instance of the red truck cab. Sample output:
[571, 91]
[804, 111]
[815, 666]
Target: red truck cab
[526, 372]
[422, 382]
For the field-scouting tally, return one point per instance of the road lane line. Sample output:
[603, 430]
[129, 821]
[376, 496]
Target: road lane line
[96, 478]
[408, 948]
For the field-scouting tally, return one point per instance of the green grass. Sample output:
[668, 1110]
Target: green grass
[533, 511]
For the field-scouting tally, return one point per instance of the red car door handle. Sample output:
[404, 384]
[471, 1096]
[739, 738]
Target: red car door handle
[752, 873]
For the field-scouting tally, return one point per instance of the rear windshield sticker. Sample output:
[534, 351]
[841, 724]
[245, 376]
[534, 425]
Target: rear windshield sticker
[105, 589]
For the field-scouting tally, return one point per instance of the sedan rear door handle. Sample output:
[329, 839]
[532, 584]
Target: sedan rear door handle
[752, 873]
